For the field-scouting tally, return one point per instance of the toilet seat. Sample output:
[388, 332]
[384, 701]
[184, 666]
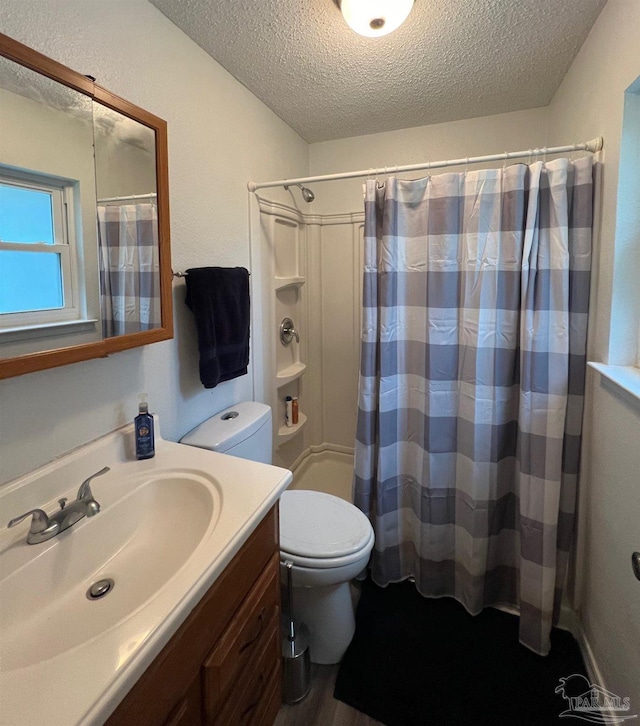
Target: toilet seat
[327, 562]
[320, 530]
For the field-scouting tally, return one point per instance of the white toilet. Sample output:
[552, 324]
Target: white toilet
[327, 539]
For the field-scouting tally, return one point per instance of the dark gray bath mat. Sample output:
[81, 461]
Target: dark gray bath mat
[424, 662]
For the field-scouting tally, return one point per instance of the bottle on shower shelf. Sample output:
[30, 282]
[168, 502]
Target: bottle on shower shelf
[288, 411]
[294, 410]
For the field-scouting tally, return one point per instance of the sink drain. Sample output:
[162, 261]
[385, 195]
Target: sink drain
[100, 588]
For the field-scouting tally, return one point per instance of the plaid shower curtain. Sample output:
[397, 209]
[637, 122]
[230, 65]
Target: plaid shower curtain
[129, 268]
[476, 291]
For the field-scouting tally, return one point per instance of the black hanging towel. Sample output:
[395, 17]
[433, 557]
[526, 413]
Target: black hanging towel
[219, 300]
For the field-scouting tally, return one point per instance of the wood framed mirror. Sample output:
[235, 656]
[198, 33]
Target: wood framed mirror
[85, 268]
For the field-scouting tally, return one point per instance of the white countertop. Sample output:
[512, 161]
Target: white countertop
[62, 676]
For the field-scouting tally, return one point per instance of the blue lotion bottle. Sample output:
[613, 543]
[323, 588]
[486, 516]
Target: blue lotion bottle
[145, 437]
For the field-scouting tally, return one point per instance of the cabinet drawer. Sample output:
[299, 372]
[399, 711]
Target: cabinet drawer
[269, 707]
[188, 711]
[236, 653]
[249, 699]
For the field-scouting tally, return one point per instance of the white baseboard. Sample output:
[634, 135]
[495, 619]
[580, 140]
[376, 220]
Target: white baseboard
[593, 670]
[570, 621]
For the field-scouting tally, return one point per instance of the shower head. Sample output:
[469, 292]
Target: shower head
[307, 194]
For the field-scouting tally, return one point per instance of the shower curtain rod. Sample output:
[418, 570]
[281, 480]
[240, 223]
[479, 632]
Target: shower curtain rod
[593, 146]
[152, 195]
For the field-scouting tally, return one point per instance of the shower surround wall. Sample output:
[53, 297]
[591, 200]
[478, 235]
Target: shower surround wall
[325, 253]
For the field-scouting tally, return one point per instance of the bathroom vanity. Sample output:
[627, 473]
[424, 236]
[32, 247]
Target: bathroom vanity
[189, 632]
[223, 664]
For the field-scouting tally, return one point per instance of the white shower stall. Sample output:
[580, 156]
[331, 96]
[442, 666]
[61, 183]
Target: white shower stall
[310, 269]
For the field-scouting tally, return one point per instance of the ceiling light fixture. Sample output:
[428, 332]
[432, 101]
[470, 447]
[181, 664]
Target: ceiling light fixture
[373, 18]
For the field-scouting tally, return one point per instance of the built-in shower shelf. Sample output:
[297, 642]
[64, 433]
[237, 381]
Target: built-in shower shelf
[286, 375]
[280, 283]
[285, 433]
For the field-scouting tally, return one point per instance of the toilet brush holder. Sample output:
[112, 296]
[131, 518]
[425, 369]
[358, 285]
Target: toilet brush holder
[296, 663]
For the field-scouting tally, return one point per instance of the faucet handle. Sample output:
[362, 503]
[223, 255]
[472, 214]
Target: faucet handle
[40, 523]
[288, 332]
[85, 489]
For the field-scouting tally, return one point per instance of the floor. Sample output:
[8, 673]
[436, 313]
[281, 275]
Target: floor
[320, 708]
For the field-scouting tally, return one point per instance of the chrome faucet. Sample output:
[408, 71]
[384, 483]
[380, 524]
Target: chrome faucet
[44, 527]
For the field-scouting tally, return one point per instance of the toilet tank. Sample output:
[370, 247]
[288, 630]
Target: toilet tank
[243, 430]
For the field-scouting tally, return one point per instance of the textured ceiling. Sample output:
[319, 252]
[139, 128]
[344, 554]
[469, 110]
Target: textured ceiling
[452, 59]
[36, 87]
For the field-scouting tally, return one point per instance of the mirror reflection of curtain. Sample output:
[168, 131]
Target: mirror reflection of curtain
[129, 269]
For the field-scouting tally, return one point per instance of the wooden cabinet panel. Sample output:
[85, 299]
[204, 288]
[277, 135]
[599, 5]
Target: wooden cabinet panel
[188, 711]
[272, 700]
[244, 639]
[163, 691]
[244, 703]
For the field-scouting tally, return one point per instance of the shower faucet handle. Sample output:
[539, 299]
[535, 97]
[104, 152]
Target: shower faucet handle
[288, 332]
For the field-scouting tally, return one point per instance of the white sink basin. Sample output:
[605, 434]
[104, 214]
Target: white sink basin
[167, 528]
[140, 542]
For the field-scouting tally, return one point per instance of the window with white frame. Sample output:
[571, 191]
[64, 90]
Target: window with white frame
[38, 251]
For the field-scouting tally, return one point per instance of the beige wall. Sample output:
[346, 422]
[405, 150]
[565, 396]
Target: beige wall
[124, 167]
[220, 136]
[472, 137]
[590, 102]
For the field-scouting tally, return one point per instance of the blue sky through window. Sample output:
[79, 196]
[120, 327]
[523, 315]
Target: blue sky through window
[25, 215]
[28, 280]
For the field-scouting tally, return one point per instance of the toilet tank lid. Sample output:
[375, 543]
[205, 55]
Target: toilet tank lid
[229, 427]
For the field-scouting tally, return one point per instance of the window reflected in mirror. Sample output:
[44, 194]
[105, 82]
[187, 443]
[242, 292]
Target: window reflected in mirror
[48, 229]
[31, 276]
